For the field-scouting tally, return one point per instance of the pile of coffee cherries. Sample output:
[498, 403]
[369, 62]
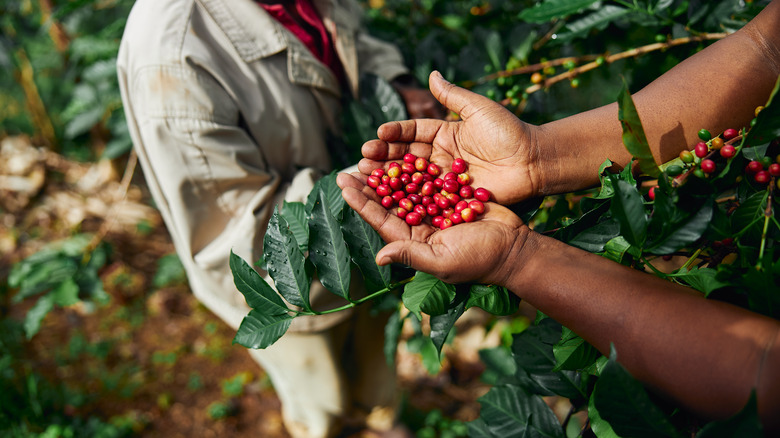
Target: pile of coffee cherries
[416, 189]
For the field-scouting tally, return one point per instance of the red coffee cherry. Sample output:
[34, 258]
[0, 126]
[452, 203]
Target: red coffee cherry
[456, 218]
[411, 188]
[754, 167]
[729, 134]
[451, 186]
[728, 151]
[415, 198]
[388, 201]
[417, 178]
[774, 169]
[466, 192]
[651, 193]
[443, 202]
[464, 179]
[421, 210]
[401, 212]
[408, 168]
[434, 170]
[410, 158]
[460, 206]
[436, 221]
[450, 175]
[394, 171]
[433, 210]
[477, 206]
[459, 165]
[378, 172]
[398, 195]
[383, 190]
[395, 184]
[421, 164]
[438, 183]
[406, 204]
[468, 215]
[701, 150]
[428, 189]
[453, 199]
[374, 181]
[482, 194]
[405, 178]
[446, 223]
[762, 177]
[707, 166]
[413, 219]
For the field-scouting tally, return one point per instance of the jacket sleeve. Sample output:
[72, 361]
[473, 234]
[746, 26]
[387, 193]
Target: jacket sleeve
[210, 182]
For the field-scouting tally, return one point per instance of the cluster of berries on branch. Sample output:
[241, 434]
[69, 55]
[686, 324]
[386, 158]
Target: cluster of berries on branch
[415, 189]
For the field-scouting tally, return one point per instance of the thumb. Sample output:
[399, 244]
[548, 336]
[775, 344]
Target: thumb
[459, 100]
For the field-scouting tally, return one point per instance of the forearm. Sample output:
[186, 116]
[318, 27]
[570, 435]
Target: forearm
[705, 354]
[717, 88]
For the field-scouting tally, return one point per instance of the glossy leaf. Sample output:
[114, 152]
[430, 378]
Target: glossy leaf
[598, 425]
[599, 19]
[634, 138]
[702, 279]
[625, 404]
[629, 210]
[684, 233]
[427, 294]
[364, 243]
[573, 353]
[441, 325]
[493, 299]
[553, 9]
[295, 215]
[286, 264]
[260, 330]
[259, 295]
[332, 192]
[327, 248]
[508, 411]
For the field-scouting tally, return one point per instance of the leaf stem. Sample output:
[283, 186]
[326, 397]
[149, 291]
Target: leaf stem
[653, 268]
[767, 216]
[358, 301]
[689, 262]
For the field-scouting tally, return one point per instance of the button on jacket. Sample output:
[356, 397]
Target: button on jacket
[229, 113]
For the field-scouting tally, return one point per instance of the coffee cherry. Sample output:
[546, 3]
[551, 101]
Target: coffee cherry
[383, 190]
[674, 170]
[398, 195]
[408, 168]
[464, 179]
[686, 157]
[451, 186]
[705, 135]
[388, 201]
[421, 164]
[774, 169]
[415, 198]
[716, 143]
[443, 202]
[438, 183]
[651, 193]
[729, 134]
[466, 192]
[395, 183]
[754, 167]
[459, 165]
[456, 218]
[433, 210]
[701, 149]
[762, 177]
[406, 204]
[461, 205]
[453, 199]
[374, 181]
[446, 223]
[405, 178]
[427, 200]
[728, 151]
[434, 170]
[421, 210]
[401, 212]
[394, 171]
[411, 188]
[428, 189]
[482, 194]
[378, 172]
[410, 158]
[707, 166]
[537, 78]
[698, 173]
[450, 175]
[477, 206]
[436, 221]
[766, 162]
[413, 219]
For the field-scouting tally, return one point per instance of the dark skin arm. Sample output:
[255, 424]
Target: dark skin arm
[704, 354]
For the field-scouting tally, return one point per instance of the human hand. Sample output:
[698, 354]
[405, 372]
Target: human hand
[488, 250]
[503, 152]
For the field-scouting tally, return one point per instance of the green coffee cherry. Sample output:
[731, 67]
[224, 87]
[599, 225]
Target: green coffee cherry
[674, 170]
[705, 135]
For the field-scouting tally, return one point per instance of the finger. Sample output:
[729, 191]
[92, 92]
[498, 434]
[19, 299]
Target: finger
[417, 255]
[459, 100]
[420, 130]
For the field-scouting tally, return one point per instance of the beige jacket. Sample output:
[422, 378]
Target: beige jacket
[228, 113]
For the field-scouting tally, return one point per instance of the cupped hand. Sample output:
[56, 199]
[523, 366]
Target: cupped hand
[502, 151]
[485, 251]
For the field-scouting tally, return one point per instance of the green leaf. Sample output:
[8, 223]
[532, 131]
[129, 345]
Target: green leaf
[260, 330]
[766, 129]
[169, 271]
[616, 249]
[573, 353]
[629, 210]
[634, 138]
[498, 362]
[34, 316]
[295, 215]
[533, 353]
[364, 243]
[684, 233]
[327, 249]
[494, 48]
[508, 411]
[332, 191]
[441, 325]
[599, 19]
[392, 335]
[625, 404]
[594, 239]
[258, 294]
[746, 423]
[423, 345]
[427, 294]
[493, 299]
[598, 425]
[286, 263]
[66, 293]
[548, 10]
[381, 100]
[702, 279]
